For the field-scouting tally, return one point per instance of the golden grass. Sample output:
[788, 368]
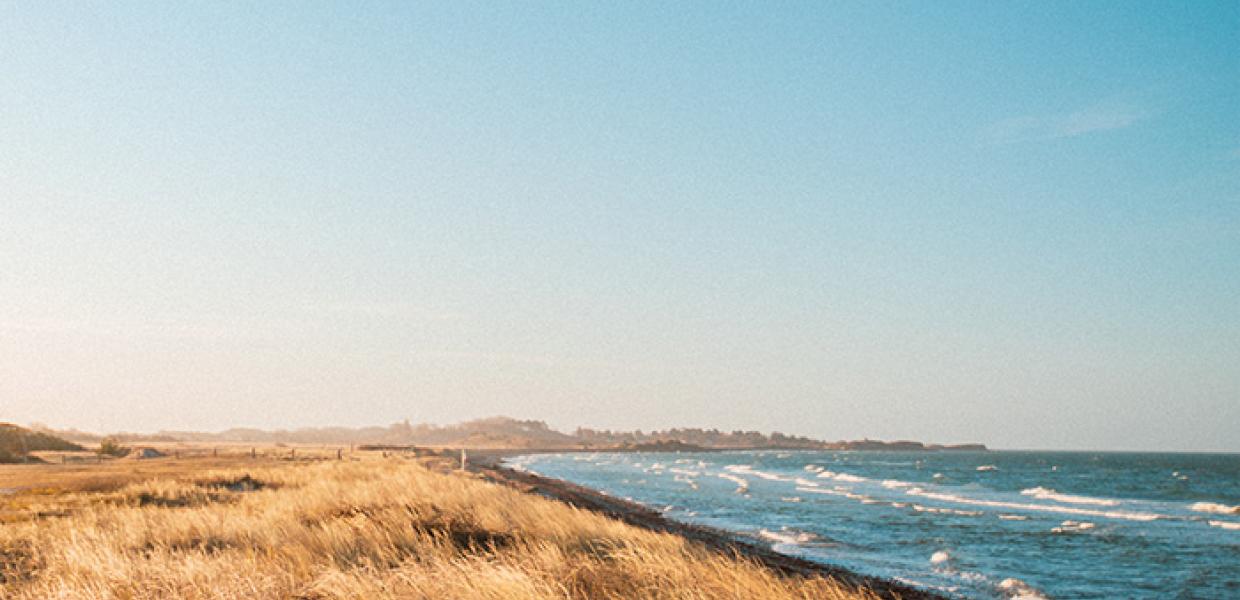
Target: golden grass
[367, 529]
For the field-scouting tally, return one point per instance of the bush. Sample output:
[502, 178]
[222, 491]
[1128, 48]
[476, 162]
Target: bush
[110, 446]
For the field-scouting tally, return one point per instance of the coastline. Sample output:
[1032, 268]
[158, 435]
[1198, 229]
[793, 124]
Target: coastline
[488, 464]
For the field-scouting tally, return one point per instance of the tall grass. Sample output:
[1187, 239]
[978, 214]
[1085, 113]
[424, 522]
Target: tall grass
[370, 529]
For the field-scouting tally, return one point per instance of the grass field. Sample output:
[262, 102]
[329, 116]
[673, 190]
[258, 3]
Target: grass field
[234, 527]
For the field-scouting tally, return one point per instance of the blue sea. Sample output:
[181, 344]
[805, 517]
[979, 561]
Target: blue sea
[967, 524]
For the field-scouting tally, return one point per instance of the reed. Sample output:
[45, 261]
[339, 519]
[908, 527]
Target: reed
[355, 529]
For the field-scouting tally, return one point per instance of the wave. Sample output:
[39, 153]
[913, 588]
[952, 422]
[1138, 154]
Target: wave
[940, 557]
[1042, 493]
[892, 484]
[845, 477]
[1073, 527]
[1214, 507]
[947, 511]
[748, 470]
[742, 485]
[813, 468]
[988, 468]
[845, 493]
[788, 536]
[1019, 590]
[1225, 525]
[1067, 510]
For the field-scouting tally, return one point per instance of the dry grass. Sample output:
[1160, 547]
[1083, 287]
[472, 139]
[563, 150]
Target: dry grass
[353, 529]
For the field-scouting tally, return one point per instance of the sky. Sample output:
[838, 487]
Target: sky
[1010, 223]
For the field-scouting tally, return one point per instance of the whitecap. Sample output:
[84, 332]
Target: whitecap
[1068, 510]
[788, 536]
[988, 468]
[1019, 590]
[947, 511]
[748, 470]
[793, 499]
[940, 557]
[844, 492]
[1225, 525]
[741, 484]
[1042, 493]
[896, 483]
[845, 477]
[1073, 526]
[1214, 507]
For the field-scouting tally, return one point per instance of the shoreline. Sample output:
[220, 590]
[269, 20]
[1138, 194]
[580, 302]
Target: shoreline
[488, 464]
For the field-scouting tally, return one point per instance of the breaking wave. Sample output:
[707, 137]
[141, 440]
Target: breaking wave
[1213, 507]
[1067, 510]
[1042, 493]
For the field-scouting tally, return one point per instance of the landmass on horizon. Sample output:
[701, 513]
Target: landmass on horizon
[506, 432]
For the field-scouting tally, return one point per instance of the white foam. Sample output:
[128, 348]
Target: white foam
[813, 468]
[1225, 525]
[788, 536]
[1073, 526]
[1214, 507]
[892, 484]
[685, 472]
[748, 470]
[845, 477]
[741, 484]
[805, 482]
[844, 492]
[1042, 493]
[947, 511]
[1067, 510]
[988, 468]
[939, 557]
[1014, 517]
[793, 499]
[1019, 590]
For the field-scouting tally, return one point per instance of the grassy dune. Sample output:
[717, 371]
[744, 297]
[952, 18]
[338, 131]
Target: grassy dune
[351, 529]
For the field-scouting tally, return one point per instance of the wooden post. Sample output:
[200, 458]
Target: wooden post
[462, 459]
[339, 453]
[215, 453]
[253, 453]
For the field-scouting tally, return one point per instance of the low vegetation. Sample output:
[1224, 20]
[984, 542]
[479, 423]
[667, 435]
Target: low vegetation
[369, 528]
[16, 443]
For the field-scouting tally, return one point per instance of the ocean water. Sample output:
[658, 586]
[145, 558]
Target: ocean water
[968, 524]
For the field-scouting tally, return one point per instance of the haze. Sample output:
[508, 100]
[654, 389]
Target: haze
[1019, 225]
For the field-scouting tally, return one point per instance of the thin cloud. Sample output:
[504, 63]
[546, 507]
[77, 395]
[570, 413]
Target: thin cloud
[1097, 118]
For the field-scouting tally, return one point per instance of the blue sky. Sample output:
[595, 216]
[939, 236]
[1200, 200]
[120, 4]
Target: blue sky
[1009, 223]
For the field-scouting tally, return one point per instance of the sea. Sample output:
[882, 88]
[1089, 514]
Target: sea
[977, 525]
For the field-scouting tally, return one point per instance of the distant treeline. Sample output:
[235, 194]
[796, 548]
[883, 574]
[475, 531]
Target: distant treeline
[504, 432]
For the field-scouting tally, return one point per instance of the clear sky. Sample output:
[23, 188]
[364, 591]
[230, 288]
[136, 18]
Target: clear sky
[1014, 223]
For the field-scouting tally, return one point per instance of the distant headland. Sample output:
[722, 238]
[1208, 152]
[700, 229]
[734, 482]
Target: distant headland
[509, 433]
